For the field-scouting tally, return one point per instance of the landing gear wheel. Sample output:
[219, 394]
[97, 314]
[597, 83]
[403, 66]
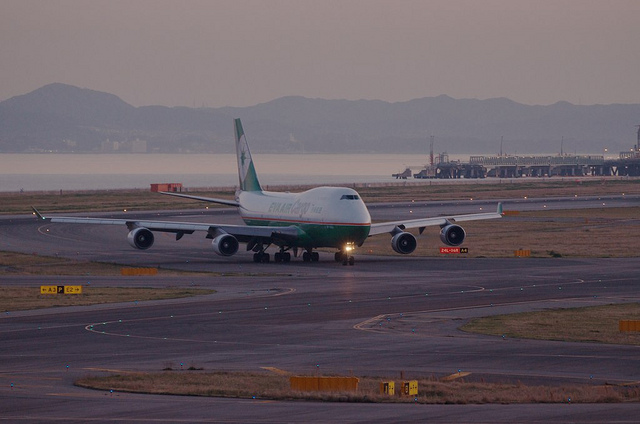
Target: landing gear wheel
[348, 260]
[282, 256]
[315, 257]
[261, 257]
[306, 257]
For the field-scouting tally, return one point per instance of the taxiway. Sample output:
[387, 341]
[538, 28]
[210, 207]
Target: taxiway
[384, 316]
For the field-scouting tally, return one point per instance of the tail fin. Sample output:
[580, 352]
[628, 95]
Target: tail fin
[246, 171]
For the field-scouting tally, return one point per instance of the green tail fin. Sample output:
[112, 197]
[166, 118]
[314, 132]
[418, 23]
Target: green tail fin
[246, 171]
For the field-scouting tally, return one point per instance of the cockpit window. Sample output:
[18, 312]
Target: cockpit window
[350, 197]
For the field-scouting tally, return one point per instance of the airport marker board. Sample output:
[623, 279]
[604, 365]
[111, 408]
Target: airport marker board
[60, 289]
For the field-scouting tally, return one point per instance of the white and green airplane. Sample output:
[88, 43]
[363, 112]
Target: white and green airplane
[323, 217]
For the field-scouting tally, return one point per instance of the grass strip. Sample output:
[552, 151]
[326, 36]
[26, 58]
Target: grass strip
[430, 390]
[132, 200]
[14, 263]
[577, 233]
[594, 324]
[26, 298]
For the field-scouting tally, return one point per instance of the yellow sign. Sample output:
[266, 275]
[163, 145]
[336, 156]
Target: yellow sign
[48, 289]
[410, 388]
[387, 388]
[72, 289]
[60, 289]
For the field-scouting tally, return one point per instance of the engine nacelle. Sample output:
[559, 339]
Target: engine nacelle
[225, 245]
[140, 238]
[452, 235]
[404, 243]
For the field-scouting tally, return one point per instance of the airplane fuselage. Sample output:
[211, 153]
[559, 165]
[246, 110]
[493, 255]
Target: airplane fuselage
[326, 216]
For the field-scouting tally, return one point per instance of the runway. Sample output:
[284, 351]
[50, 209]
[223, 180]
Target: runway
[384, 316]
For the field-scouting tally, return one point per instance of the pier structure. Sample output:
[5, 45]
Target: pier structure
[513, 166]
[506, 166]
[540, 166]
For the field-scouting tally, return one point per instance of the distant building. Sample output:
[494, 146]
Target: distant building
[108, 146]
[139, 146]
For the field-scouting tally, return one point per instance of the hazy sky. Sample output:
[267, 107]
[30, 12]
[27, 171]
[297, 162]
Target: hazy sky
[241, 53]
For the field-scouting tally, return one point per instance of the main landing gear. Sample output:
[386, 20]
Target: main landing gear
[261, 257]
[310, 256]
[345, 258]
[282, 256]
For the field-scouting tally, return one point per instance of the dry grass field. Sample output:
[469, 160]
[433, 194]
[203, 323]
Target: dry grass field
[612, 232]
[592, 324]
[12, 263]
[119, 200]
[27, 298]
[96, 201]
[430, 390]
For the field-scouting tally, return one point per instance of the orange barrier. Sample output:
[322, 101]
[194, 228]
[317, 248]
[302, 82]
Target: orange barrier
[522, 253]
[139, 271]
[324, 384]
[629, 325]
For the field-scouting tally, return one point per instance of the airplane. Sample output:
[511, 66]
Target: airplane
[322, 217]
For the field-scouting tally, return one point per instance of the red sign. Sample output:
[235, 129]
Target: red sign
[448, 250]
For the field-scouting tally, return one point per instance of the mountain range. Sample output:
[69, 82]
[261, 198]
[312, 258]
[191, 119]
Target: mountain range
[65, 118]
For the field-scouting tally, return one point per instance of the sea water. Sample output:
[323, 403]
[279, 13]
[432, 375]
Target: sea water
[45, 172]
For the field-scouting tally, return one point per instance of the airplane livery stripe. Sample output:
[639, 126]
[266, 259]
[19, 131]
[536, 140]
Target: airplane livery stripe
[293, 221]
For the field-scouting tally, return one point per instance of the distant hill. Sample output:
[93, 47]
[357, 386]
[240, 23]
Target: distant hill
[64, 118]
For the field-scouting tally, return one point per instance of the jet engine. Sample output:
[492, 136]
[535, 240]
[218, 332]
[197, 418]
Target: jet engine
[404, 243]
[452, 235]
[225, 245]
[140, 238]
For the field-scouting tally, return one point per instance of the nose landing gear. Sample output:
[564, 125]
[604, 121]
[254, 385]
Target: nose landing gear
[345, 258]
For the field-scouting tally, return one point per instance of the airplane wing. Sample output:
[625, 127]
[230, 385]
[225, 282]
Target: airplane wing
[421, 223]
[241, 232]
[204, 199]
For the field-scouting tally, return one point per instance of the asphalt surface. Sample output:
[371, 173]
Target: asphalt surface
[381, 317]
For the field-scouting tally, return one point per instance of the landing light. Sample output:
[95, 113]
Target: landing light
[348, 247]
